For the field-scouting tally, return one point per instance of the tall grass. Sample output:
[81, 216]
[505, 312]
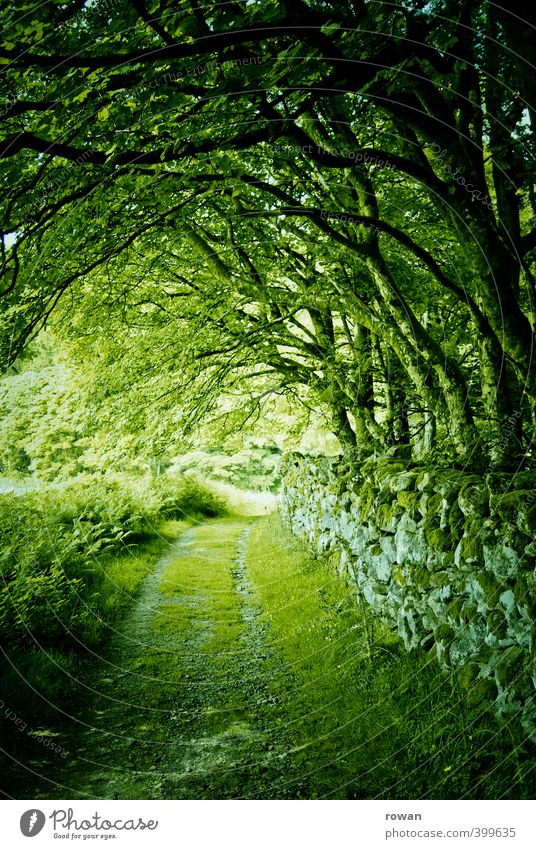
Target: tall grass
[366, 719]
[72, 560]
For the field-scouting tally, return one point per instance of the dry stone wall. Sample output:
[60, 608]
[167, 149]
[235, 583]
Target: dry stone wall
[446, 557]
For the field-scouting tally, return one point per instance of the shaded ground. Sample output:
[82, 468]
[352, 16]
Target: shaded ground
[181, 708]
[246, 669]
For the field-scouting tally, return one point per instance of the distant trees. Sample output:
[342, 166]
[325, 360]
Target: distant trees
[333, 203]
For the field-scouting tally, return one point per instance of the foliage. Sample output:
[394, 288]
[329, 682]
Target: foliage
[252, 213]
[59, 544]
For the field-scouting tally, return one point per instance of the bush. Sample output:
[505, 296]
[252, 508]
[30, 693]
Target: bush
[182, 497]
[54, 541]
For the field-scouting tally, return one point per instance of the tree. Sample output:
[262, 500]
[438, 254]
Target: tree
[362, 227]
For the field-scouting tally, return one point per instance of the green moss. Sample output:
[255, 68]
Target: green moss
[386, 513]
[384, 470]
[454, 609]
[467, 675]
[421, 578]
[525, 593]
[469, 612]
[511, 665]
[444, 634]
[397, 575]
[471, 548]
[527, 521]
[409, 500]
[509, 504]
[425, 480]
[438, 539]
[367, 494]
[482, 692]
[434, 505]
[497, 624]
[490, 586]
[456, 520]
[440, 579]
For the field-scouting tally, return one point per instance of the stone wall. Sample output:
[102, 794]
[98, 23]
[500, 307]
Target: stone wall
[446, 557]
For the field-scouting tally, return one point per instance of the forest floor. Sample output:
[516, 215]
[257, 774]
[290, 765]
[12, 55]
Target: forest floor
[245, 669]
[180, 706]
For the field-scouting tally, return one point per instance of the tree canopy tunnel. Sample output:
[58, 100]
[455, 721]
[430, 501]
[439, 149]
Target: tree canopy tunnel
[330, 200]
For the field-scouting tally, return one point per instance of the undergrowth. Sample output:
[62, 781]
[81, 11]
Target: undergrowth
[366, 719]
[72, 560]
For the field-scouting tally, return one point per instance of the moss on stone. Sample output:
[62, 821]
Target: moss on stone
[526, 520]
[420, 577]
[398, 575]
[490, 587]
[367, 494]
[497, 624]
[387, 516]
[425, 480]
[440, 579]
[508, 504]
[483, 691]
[453, 610]
[438, 539]
[473, 499]
[471, 550]
[455, 522]
[444, 634]
[469, 612]
[525, 593]
[510, 665]
[468, 674]
[434, 505]
[388, 469]
[409, 500]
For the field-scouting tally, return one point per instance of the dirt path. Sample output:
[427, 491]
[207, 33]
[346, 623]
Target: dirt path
[182, 710]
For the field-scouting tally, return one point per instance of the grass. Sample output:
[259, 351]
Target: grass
[204, 581]
[350, 714]
[366, 719]
[38, 680]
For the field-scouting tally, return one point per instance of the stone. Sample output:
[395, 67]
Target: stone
[511, 664]
[404, 481]
[437, 552]
[508, 600]
[387, 516]
[473, 500]
[500, 559]
[388, 546]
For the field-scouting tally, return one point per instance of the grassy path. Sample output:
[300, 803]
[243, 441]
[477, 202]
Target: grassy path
[246, 670]
[183, 710]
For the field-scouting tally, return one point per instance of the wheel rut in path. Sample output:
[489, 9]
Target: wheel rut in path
[182, 707]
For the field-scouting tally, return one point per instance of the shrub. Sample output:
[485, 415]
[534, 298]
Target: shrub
[53, 543]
